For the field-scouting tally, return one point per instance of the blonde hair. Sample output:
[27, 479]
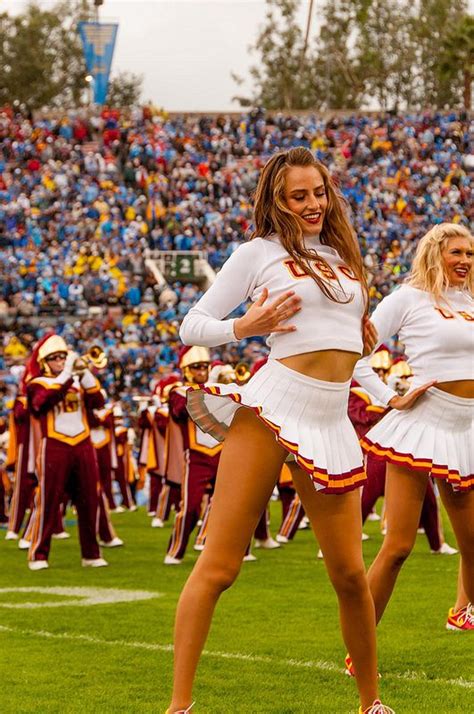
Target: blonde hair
[272, 215]
[428, 270]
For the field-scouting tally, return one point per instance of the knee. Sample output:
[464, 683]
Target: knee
[396, 553]
[350, 581]
[219, 576]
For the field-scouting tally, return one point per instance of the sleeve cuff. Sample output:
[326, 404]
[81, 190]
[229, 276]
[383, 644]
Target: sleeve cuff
[88, 381]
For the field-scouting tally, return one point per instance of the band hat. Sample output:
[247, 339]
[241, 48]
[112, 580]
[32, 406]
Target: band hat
[381, 359]
[53, 344]
[193, 355]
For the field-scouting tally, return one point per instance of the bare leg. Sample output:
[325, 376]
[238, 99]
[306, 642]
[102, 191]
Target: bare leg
[460, 509]
[404, 494]
[461, 595]
[249, 468]
[337, 523]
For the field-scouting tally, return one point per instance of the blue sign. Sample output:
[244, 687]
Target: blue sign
[98, 42]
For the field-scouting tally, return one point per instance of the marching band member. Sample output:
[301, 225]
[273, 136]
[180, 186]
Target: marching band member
[201, 453]
[123, 471]
[59, 394]
[170, 439]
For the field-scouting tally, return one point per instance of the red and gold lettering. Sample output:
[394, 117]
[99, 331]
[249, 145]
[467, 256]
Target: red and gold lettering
[445, 313]
[345, 270]
[325, 269]
[294, 269]
[466, 315]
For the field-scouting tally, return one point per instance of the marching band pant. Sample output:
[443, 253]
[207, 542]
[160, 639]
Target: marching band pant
[196, 482]
[23, 491]
[121, 478]
[104, 462]
[292, 511]
[65, 469]
[156, 484]
[169, 497]
[3, 512]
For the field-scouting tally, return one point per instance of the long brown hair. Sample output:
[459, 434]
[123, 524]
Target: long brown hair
[272, 216]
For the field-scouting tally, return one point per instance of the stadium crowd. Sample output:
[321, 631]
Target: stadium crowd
[85, 199]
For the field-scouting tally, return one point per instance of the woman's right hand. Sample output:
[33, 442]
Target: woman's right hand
[410, 398]
[261, 319]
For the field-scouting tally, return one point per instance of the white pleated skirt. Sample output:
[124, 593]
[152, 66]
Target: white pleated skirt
[436, 435]
[307, 416]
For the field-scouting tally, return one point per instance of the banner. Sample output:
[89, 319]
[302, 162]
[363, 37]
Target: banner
[98, 42]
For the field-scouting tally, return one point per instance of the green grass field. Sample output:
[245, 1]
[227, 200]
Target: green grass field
[275, 645]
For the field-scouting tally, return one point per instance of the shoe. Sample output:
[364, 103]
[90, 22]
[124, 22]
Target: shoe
[93, 563]
[445, 549]
[320, 555]
[151, 513]
[377, 708]
[304, 523]
[61, 536]
[267, 544]
[38, 564]
[365, 536]
[462, 620]
[181, 711]
[420, 531]
[114, 543]
[249, 558]
[11, 535]
[373, 516]
[349, 668]
[118, 509]
[133, 508]
[24, 544]
[169, 560]
[281, 539]
[157, 523]
[199, 546]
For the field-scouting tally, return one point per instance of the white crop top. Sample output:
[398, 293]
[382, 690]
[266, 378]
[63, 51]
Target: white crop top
[438, 339]
[321, 324]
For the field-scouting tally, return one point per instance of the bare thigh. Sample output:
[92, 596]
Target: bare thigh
[249, 467]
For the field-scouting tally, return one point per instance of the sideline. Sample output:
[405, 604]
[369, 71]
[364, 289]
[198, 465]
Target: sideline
[259, 659]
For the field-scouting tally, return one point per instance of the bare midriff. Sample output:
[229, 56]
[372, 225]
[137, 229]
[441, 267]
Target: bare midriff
[328, 365]
[460, 388]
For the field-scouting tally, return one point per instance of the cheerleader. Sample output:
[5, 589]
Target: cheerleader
[432, 313]
[303, 271]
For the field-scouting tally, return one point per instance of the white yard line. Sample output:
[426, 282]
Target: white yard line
[259, 659]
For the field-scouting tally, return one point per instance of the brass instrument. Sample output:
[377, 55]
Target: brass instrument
[94, 357]
[242, 372]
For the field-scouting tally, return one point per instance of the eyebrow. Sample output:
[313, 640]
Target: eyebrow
[303, 190]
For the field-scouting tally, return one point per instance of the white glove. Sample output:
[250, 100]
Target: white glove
[69, 364]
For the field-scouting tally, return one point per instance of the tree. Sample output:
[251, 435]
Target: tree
[125, 89]
[41, 55]
[432, 25]
[284, 77]
[456, 58]
[385, 52]
[342, 85]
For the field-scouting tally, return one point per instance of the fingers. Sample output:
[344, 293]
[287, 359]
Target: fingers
[262, 298]
[283, 298]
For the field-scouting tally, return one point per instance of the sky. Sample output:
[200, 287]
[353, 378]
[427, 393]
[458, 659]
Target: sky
[186, 50]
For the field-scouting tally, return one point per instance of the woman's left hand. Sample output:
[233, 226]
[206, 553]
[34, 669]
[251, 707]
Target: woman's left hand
[369, 336]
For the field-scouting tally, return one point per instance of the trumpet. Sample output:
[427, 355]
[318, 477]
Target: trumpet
[94, 357]
[242, 372]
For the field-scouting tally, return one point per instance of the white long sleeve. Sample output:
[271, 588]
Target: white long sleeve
[387, 317]
[438, 338]
[205, 324]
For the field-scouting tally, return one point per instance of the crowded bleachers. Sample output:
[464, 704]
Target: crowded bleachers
[85, 199]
